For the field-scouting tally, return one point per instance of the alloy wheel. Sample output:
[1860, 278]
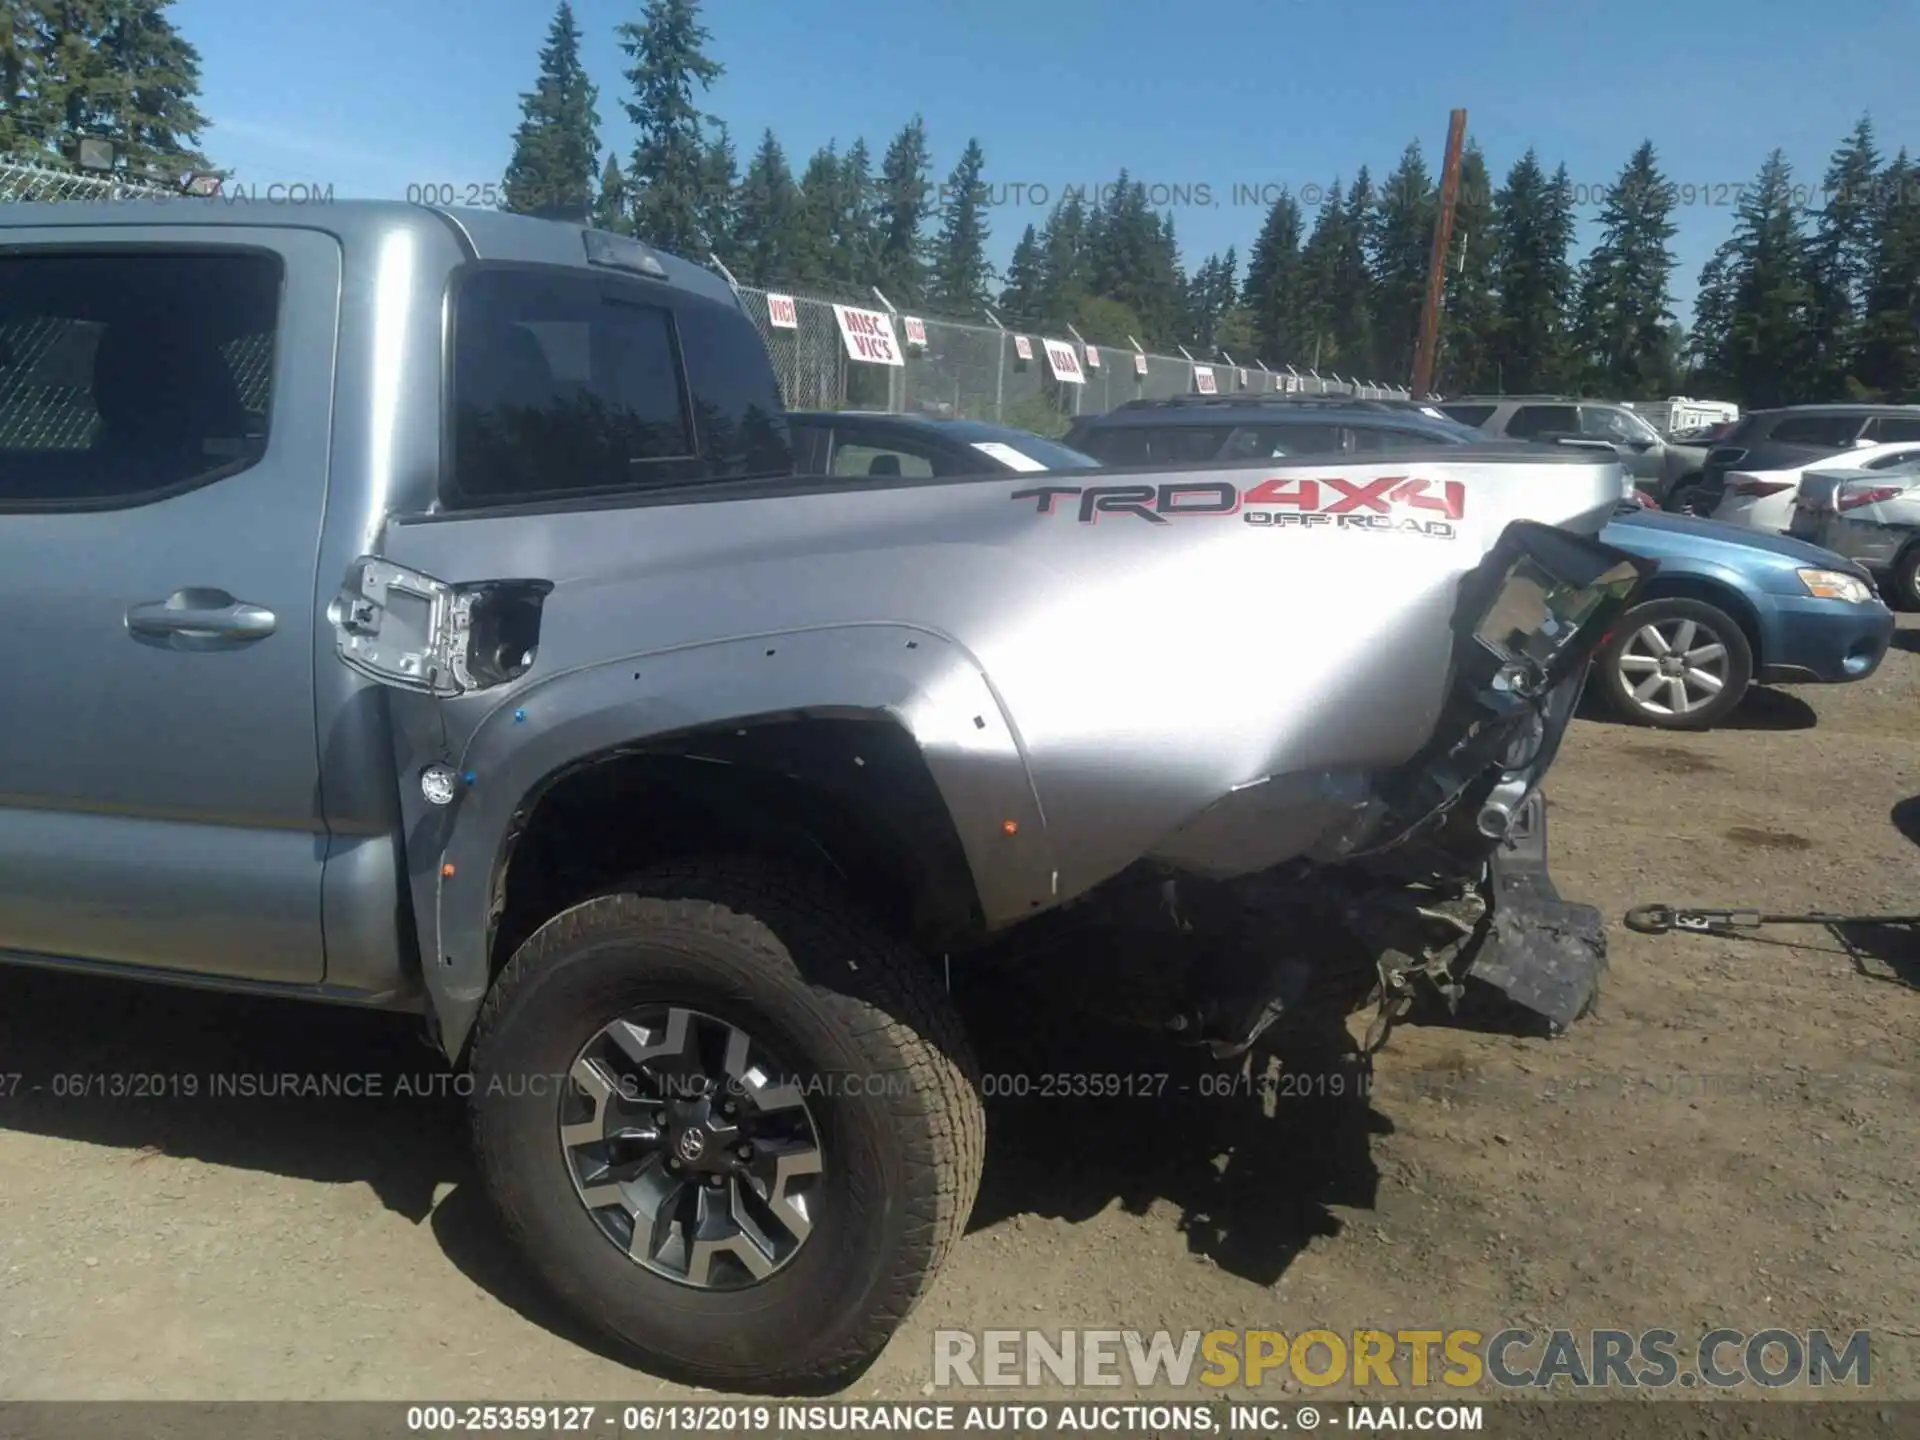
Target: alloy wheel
[691, 1147]
[1673, 667]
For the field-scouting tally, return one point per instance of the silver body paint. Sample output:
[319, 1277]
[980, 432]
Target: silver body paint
[1084, 693]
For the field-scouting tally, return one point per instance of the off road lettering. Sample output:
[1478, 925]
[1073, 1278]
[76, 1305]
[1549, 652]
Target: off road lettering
[1380, 504]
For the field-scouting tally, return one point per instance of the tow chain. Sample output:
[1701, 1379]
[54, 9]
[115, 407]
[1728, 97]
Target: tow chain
[1700, 920]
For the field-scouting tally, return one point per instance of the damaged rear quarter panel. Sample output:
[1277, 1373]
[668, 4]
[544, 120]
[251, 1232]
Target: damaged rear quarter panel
[1136, 670]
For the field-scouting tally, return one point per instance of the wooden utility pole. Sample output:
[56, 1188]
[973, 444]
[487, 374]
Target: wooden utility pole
[1423, 355]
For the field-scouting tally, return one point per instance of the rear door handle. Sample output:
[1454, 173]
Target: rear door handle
[201, 614]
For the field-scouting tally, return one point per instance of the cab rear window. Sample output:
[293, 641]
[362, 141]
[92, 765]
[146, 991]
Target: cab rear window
[570, 384]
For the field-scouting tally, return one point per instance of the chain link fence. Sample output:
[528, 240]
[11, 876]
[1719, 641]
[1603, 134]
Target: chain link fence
[976, 371]
[23, 180]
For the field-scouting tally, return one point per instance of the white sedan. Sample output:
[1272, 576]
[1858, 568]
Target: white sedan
[1763, 499]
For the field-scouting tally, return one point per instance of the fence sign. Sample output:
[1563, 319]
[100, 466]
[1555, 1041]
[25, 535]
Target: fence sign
[1064, 362]
[869, 335]
[1093, 357]
[1023, 347]
[1139, 362]
[782, 312]
[916, 331]
[1203, 380]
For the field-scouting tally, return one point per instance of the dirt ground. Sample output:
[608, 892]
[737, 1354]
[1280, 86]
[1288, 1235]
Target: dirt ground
[1732, 1140]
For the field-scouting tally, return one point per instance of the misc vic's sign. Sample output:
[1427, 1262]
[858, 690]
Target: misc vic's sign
[1400, 503]
[868, 335]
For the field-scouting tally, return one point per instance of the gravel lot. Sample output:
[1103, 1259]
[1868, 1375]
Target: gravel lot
[1732, 1140]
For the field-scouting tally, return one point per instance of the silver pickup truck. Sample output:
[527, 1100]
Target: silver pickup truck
[420, 609]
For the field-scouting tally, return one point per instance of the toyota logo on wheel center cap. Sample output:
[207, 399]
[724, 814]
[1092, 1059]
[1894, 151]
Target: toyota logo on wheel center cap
[690, 1144]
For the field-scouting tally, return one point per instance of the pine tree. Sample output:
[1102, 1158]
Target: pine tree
[554, 150]
[961, 274]
[764, 224]
[1469, 325]
[1709, 341]
[905, 205]
[667, 173]
[1622, 313]
[810, 234]
[719, 195]
[1319, 270]
[1401, 250]
[114, 70]
[1769, 334]
[1273, 293]
[1022, 298]
[1210, 298]
[1534, 226]
[610, 205]
[1353, 353]
[1839, 263]
[24, 120]
[1063, 264]
[1162, 290]
[1889, 357]
[855, 244]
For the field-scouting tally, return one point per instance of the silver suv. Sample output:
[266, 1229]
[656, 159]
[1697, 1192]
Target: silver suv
[1656, 464]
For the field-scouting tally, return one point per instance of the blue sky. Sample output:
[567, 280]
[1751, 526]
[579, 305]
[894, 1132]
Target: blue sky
[372, 96]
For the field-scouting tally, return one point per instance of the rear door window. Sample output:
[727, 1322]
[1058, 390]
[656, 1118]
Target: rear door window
[1374, 439]
[1474, 415]
[883, 462]
[1886, 429]
[1156, 444]
[1601, 422]
[1531, 420]
[1274, 442]
[1833, 431]
[127, 377]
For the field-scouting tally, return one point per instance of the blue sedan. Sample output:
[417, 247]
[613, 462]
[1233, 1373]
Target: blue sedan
[1730, 606]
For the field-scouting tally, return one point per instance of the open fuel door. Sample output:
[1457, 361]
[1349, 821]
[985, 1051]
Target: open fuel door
[414, 632]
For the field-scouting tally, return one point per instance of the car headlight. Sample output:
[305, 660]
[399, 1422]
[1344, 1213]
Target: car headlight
[1833, 585]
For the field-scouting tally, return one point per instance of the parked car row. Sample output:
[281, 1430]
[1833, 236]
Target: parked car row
[1728, 608]
[1659, 465]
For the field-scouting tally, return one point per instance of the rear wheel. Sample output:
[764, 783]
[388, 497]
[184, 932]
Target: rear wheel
[1676, 664]
[1906, 578]
[730, 1121]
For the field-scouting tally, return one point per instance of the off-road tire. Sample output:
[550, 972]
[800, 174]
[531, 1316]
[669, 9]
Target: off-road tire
[783, 954]
[1725, 629]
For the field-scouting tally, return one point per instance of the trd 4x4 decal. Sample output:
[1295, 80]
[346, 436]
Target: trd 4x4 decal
[1403, 504]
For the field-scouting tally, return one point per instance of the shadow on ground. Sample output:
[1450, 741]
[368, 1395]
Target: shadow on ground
[312, 1092]
[1762, 709]
[1907, 640]
[1254, 1152]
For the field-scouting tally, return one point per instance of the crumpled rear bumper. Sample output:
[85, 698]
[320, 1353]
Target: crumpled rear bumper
[1542, 952]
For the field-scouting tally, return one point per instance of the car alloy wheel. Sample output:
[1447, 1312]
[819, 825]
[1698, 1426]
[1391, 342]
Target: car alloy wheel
[1674, 667]
[694, 1157]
